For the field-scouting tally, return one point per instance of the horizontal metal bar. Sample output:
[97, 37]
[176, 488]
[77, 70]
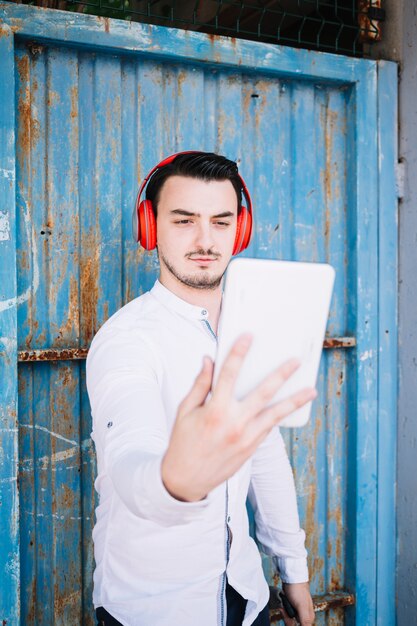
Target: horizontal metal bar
[52, 354]
[339, 342]
[75, 354]
[326, 602]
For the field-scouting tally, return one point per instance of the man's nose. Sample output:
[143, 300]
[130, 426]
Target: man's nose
[204, 236]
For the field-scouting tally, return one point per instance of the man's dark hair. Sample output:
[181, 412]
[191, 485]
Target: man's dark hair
[203, 165]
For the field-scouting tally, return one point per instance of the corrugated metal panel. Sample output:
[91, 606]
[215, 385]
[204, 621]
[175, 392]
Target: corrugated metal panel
[90, 124]
[80, 160]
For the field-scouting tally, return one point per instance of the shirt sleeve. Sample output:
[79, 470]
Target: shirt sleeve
[130, 427]
[273, 499]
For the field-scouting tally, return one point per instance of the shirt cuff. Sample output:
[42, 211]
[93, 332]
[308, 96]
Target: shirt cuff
[146, 495]
[292, 570]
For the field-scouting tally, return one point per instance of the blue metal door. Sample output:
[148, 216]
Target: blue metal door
[87, 107]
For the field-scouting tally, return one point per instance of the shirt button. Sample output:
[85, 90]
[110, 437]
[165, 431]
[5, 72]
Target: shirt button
[228, 518]
[204, 312]
[109, 424]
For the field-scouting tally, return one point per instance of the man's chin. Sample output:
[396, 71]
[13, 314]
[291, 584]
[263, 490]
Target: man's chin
[202, 278]
[201, 281]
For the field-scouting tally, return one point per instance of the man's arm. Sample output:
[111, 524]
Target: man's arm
[130, 427]
[273, 499]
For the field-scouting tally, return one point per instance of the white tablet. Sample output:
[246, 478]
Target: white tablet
[284, 305]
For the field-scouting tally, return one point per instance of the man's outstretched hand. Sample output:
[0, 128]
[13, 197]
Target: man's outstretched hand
[212, 439]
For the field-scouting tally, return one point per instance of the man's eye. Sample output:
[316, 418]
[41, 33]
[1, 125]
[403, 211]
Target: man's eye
[185, 221]
[223, 223]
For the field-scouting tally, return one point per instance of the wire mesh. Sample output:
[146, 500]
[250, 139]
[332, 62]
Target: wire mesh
[341, 26]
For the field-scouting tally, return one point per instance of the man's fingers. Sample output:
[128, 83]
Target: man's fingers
[231, 367]
[265, 391]
[285, 407]
[200, 389]
[261, 424]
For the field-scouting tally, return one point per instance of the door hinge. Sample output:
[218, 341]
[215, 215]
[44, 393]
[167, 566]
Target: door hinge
[400, 178]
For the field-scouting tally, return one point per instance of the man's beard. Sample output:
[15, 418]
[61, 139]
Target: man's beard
[197, 281]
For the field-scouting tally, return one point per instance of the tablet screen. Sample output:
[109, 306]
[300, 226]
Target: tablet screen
[285, 306]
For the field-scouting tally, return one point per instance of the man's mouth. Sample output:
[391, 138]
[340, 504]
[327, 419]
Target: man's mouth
[201, 260]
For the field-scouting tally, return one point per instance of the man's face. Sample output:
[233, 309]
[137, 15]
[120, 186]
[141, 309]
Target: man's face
[196, 229]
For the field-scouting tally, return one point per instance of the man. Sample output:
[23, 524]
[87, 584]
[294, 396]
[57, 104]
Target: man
[176, 457]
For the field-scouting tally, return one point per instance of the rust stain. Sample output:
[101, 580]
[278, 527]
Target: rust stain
[213, 38]
[180, 80]
[31, 617]
[336, 617]
[311, 528]
[113, 109]
[71, 325]
[247, 100]
[74, 102]
[66, 379]
[133, 258]
[53, 98]
[339, 384]
[22, 384]
[15, 27]
[68, 354]
[334, 581]
[330, 125]
[24, 108]
[339, 342]
[63, 601]
[89, 270]
[28, 340]
[259, 100]
[66, 499]
[332, 601]
[24, 260]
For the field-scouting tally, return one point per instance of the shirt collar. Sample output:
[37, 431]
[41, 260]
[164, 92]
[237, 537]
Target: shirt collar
[173, 302]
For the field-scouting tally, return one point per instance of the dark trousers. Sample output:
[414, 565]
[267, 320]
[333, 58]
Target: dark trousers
[236, 606]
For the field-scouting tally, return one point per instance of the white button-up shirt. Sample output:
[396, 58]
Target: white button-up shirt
[160, 561]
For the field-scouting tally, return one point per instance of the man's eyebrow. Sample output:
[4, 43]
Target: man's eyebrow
[225, 214]
[191, 214]
[184, 212]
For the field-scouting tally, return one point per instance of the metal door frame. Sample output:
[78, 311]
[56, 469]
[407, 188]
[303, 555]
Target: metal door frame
[372, 215]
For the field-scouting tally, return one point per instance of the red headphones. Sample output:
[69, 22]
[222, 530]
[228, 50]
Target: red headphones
[144, 221]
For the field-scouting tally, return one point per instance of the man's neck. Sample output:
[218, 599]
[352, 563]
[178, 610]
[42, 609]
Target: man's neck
[209, 299]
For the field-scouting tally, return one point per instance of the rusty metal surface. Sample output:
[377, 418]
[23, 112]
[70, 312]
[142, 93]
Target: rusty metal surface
[74, 354]
[66, 354]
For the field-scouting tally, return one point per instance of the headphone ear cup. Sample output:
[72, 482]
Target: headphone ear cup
[147, 225]
[243, 230]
